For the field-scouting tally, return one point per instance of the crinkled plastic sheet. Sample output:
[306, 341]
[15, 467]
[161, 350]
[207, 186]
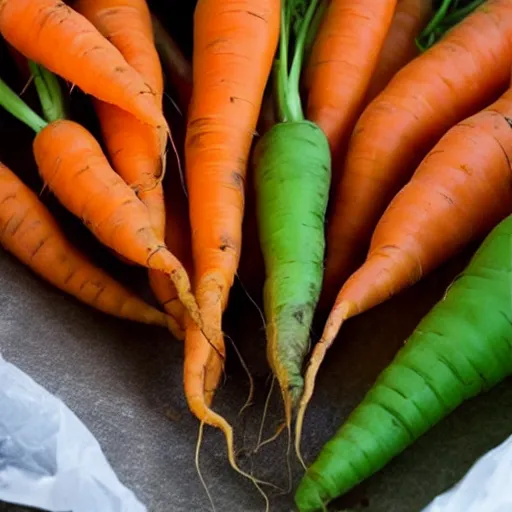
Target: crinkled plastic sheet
[487, 487]
[48, 458]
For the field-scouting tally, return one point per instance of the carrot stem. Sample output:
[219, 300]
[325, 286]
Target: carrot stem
[288, 94]
[11, 102]
[459, 14]
[314, 27]
[437, 18]
[49, 92]
[294, 77]
[282, 66]
[444, 19]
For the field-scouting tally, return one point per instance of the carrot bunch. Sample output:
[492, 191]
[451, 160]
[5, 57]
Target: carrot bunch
[380, 138]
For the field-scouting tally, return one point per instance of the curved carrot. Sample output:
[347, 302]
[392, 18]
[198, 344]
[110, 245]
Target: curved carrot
[403, 123]
[29, 232]
[399, 47]
[231, 64]
[54, 35]
[136, 150]
[459, 192]
[342, 61]
[73, 166]
[178, 241]
[460, 349]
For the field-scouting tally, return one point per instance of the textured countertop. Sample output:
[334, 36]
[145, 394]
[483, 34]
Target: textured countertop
[124, 382]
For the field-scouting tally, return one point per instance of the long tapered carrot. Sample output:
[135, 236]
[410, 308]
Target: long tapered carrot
[463, 347]
[73, 166]
[178, 241]
[292, 177]
[177, 225]
[231, 64]
[403, 123]
[136, 150]
[342, 61]
[399, 48]
[458, 193]
[29, 232]
[54, 35]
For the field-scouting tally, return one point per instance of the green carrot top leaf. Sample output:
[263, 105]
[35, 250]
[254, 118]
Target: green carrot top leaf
[50, 96]
[296, 18]
[448, 14]
[11, 102]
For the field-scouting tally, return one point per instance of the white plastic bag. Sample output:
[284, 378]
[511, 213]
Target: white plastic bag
[48, 458]
[487, 486]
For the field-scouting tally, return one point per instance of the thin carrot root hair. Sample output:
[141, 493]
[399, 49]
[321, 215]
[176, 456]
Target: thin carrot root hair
[259, 443]
[338, 315]
[250, 396]
[210, 417]
[280, 428]
[198, 467]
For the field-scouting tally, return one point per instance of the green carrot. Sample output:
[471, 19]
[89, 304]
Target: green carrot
[461, 348]
[292, 178]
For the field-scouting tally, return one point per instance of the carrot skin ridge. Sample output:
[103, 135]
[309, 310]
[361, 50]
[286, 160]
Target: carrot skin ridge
[460, 349]
[29, 232]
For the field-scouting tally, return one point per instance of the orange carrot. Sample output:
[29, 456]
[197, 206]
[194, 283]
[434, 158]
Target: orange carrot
[231, 64]
[176, 66]
[178, 241]
[29, 232]
[341, 64]
[178, 236]
[73, 166]
[54, 35]
[403, 123]
[460, 191]
[399, 47]
[137, 150]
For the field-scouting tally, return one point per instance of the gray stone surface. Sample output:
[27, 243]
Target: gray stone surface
[124, 382]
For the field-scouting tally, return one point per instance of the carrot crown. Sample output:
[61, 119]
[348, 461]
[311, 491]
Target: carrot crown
[296, 20]
[450, 13]
[50, 96]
